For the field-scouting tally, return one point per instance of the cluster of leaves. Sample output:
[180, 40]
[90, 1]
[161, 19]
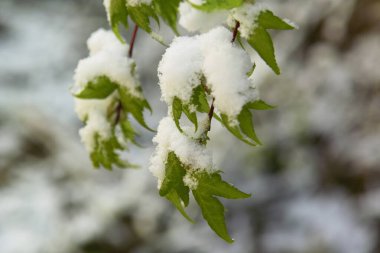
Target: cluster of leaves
[209, 186]
[199, 102]
[120, 106]
[119, 11]
[259, 39]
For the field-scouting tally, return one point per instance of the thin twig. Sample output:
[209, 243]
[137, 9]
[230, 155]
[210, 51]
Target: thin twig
[211, 114]
[133, 39]
[119, 107]
[119, 110]
[235, 32]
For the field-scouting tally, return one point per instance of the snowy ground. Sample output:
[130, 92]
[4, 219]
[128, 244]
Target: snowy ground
[315, 182]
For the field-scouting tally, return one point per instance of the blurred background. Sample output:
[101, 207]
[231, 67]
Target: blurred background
[315, 181]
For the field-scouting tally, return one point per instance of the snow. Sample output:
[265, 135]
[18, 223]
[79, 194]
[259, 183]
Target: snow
[190, 181]
[197, 2]
[85, 107]
[107, 6]
[194, 20]
[95, 125]
[291, 23]
[180, 69]
[103, 40]
[222, 63]
[107, 58]
[94, 112]
[188, 150]
[225, 67]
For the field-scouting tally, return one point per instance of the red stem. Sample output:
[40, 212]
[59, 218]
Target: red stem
[235, 32]
[119, 110]
[211, 113]
[133, 39]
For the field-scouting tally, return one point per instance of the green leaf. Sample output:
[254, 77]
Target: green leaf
[140, 14]
[246, 125]
[168, 11]
[134, 105]
[118, 15]
[174, 173]
[101, 87]
[177, 112]
[260, 105]
[176, 201]
[212, 5]
[261, 41]
[213, 213]
[235, 130]
[250, 72]
[268, 20]
[128, 132]
[104, 153]
[192, 116]
[210, 185]
[213, 184]
[173, 187]
[199, 99]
